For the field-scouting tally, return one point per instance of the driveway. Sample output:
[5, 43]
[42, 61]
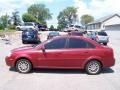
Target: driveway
[42, 79]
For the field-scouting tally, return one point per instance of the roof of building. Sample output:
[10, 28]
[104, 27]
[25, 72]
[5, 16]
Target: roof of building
[103, 19]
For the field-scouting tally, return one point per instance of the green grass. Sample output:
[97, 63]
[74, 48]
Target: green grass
[8, 30]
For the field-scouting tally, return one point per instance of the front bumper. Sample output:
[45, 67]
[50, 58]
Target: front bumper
[9, 61]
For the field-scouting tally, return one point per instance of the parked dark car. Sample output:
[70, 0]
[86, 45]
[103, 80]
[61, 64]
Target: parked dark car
[42, 27]
[30, 36]
[75, 33]
[53, 34]
[66, 52]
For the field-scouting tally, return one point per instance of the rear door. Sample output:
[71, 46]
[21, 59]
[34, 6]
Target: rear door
[78, 51]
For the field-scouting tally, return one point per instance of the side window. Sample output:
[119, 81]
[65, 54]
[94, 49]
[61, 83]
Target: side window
[78, 43]
[56, 44]
[90, 45]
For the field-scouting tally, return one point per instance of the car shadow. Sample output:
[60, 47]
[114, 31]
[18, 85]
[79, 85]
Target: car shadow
[107, 70]
[65, 71]
[59, 71]
[12, 69]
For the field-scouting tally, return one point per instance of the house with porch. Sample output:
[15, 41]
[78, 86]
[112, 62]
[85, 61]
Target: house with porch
[111, 22]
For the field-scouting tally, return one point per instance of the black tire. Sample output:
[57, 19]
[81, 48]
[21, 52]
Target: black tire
[23, 66]
[93, 67]
[24, 42]
[104, 43]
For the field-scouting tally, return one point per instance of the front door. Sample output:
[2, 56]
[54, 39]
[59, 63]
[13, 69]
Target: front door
[54, 53]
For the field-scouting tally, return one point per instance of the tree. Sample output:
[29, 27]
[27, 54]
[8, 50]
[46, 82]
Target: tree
[85, 19]
[40, 12]
[67, 17]
[4, 21]
[16, 18]
[51, 27]
[28, 18]
[62, 23]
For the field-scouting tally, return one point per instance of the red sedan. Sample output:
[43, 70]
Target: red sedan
[66, 52]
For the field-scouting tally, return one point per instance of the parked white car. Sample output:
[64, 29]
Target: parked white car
[27, 25]
[75, 28]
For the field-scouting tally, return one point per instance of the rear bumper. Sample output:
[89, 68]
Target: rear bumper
[102, 41]
[31, 40]
[109, 63]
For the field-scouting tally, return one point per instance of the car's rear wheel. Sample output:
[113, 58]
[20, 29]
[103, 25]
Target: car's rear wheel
[23, 66]
[93, 67]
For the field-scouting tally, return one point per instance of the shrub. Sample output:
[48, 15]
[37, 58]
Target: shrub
[11, 27]
[1, 27]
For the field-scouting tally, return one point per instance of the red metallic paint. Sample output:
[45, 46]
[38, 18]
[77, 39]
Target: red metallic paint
[63, 58]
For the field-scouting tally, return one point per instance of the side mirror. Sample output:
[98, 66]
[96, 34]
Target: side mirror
[43, 48]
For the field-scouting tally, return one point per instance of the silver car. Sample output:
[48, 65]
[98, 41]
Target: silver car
[102, 37]
[27, 25]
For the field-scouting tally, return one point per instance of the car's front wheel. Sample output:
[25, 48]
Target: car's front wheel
[93, 67]
[23, 66]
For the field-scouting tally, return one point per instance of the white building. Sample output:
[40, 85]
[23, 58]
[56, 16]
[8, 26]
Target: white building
[111, 22]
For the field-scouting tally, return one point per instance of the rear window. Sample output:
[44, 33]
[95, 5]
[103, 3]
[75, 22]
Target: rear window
[102, 33]
[78, 43]
[77, 26]
[53, 34]
[77, 34]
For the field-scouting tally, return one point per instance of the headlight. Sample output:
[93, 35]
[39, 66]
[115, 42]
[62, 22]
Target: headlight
[9, 54]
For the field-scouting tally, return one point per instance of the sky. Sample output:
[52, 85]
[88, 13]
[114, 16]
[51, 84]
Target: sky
[96, 8]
